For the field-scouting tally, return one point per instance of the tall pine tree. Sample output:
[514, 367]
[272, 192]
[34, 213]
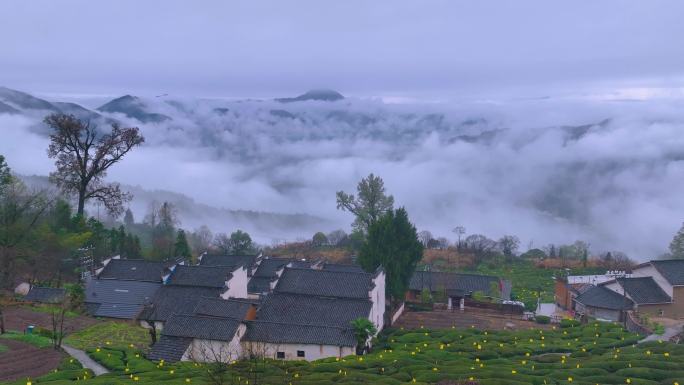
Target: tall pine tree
[181, 247]
[392, 243]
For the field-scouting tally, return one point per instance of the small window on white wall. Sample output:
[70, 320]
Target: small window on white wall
[280, 355]
[300, 353]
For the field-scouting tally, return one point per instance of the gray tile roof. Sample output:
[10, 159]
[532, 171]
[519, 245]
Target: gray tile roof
[259, 285]
[672, 270]
[207, 328]
[285, 333]
[119, 298]
[45, 294]
[206, 276]
[644, 290]
[343, 267]
[133, 269]
[171, 300]
[225, 308]
[602, 297]
[169, 349]
[325, 283]
[260, 282]
[310, 310]
[453, 283]
[228, 260]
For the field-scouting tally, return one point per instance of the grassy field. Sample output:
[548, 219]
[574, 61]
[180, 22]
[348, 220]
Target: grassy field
[50, 309]
[593, 354]
[529, 282]
[3, 348]
[33, 339]
[111, 335]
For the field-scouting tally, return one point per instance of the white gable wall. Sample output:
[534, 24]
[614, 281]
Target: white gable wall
[210, 350]
[237, 286]
[377, 297]
[311, 352]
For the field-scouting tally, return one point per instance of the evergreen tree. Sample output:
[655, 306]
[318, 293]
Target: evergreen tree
[128, 218]
[392, 243]
[181, 247]
[677, 244]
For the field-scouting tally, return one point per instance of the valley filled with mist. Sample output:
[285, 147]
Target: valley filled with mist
[602, 169]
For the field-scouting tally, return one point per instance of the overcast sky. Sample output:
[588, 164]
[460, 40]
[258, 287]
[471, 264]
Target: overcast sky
[409, 48]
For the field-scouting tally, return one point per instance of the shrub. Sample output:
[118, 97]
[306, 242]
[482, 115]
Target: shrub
[542, 319]
[569, 323]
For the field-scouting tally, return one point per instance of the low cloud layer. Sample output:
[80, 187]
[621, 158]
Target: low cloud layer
[603, 170]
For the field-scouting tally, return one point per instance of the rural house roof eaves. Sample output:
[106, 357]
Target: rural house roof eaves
[202, 327]
[325, 283]
[224, 308]
[602, 297]
[171, 300]
[169, 349]
[246, 261]
[672, 270]
[204, 276]
[312, 310]
[134, 270]
[45, 294]
[343, 267]
[644, 290]
[288, 333]
[455, 282]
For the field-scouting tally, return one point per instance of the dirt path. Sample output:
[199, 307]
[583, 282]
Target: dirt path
[23, 360]
[86, 361]
[481, 319]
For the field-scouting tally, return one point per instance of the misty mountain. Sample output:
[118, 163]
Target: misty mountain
[7, 109]
[261, 225]
[77, 110]
[133, 107]
[546, 170]
[23, 101]
[319, 95]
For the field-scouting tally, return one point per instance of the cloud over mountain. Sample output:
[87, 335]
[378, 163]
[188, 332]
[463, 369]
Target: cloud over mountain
[606, 171]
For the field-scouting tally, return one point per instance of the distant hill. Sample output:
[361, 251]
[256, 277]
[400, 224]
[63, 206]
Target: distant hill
[132, 107]
[77, 110]
[7, 109]
[23, 101]
[320, 95]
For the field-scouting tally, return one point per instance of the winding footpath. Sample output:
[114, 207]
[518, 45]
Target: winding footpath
[86, 361]
[670, 331]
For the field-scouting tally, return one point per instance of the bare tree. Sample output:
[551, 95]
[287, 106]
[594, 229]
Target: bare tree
[459, 231]
[57, 322]
[2, 314]
[337, 236]
[217, 357]
[258, 353]
[425, 237]
[509, 245]
[83, 156]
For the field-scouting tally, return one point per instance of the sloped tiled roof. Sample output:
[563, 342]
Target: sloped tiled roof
[644, 290]
[119, 298]
[310, 310]
[133, 269]
[343, 267]
[206, 276]
[194, 326]
[325, 283]
[602, 297]
[672, 270]
[171, 300]
[259, 285]
[452, 282]
[225, 308]
[169, 349]
[45, 294]
[286, 333]
[228, 260]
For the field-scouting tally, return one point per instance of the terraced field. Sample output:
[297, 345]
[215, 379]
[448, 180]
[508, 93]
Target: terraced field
[593, 354]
